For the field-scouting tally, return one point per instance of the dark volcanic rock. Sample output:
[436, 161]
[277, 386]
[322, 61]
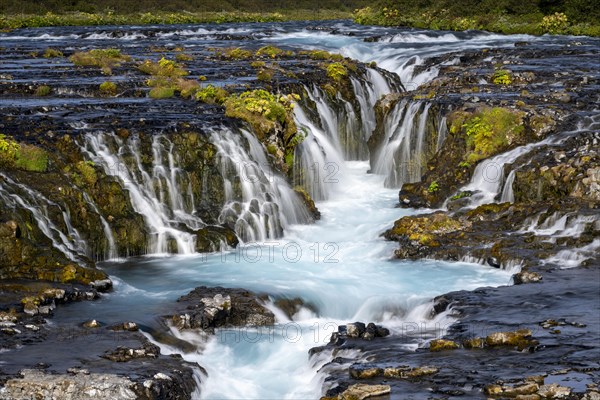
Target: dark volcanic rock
[209, 308]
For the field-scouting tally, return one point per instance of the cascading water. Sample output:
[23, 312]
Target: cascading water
[488, 182]
[16, 195]
[155, 192]
[400, 155]
[259, 203]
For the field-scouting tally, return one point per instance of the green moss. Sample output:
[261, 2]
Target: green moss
[234, 53]
[22, 156]
[337, 71]
[52, 53]
[31, 158]
[87, 171]
[433, 187]
[212, 95]
[461, 195]
[258, 64]
[322, 55]
[106, 59]
[263, 110]
[442, 344]
[108, 88]
[43, 90]
[272, 52]
[488, 131]
[425, 228]
[502, 77]
[182, 57]
[160, 92]
[162, 68]
[265, 75]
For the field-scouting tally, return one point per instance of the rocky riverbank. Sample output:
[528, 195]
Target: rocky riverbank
[539, 338]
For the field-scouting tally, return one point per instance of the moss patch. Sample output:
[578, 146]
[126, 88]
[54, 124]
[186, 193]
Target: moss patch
[106, 59]
[488, 131]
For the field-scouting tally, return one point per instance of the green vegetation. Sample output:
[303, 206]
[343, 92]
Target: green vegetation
[108, 88]
[87, 172]
[576, 17]
[234, 53]
[461, 195]
[273, 52]
[52, 53]
[337, 71]
[22, 156]
[182, 57]
[106, 59]
[31, 13]
[263, 110]
[163, 67]
[43, 90]
[502, 77]
[433, 187]
[555, 23]
[488, 131]
[212, 95]
[167, 79]
[162, 92]
[322, 55]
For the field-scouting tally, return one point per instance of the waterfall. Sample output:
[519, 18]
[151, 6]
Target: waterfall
[400, 155]
[112, 252]
[156, 193]
[488, 178]
[16, 195]
[318, 159]
[259, 203]
[507, 192]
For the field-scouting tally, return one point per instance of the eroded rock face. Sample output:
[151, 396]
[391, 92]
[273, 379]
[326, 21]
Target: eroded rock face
[210, 308]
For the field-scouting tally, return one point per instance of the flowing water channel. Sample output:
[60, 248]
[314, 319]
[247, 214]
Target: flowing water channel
[339, 266]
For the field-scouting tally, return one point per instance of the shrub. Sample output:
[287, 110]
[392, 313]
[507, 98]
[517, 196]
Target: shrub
[43, 90]
[337, 71]
[182, 57]
[52, 53]
[502, 77]
[433, 187]
[234, 53]
[163, 68]
[212, 95]
[262, 110]
[272, 52]
[555, 23]
[22, 156]
[160, 92]
[490, 130]
[108, 88]
[106, 59]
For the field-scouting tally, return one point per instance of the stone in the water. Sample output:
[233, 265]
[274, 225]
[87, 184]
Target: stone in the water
[361, 391]
[355, 329]
[442, 344]
[91, 324]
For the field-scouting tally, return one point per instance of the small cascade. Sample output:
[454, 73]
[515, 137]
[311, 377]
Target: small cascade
[400, 155]
[259, 204]
[561, 225]
[507, 192]
[111, 252]
[16, 195]
[488, 184]
[318, 159]
[349, 125]
[160, 192]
